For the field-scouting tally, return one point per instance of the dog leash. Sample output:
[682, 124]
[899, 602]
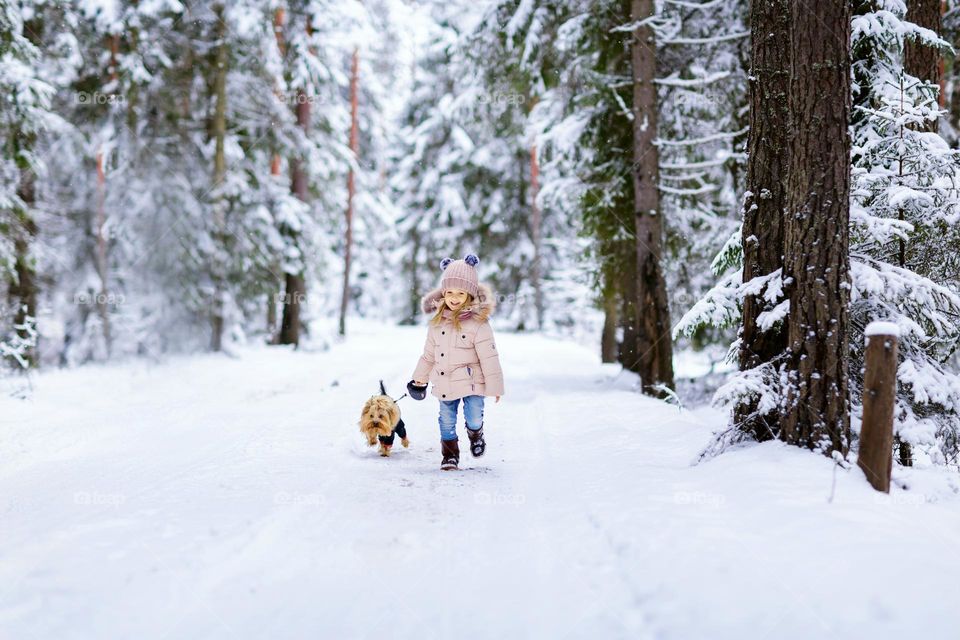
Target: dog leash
[401, 398]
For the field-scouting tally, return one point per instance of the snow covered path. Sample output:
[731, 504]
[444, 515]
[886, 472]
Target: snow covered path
[216, 497]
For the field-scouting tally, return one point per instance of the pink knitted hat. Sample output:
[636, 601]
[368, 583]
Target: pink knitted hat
[460, 274]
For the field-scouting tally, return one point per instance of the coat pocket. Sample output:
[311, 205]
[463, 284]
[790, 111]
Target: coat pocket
[465, 340]
[476, 374]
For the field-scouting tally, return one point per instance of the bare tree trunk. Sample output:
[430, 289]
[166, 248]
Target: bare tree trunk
[608, 339]
[219, 175]
[275, 285]
[654, 342]
[294, 284]
[101, 252]
[817, 232]
[954, 107]
[351, 189]
[919, 60]
[536, 224]
[132, 98]
[768, 164]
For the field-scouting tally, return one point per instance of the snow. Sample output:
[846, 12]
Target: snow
[232, 497]
[901, 197]
[882, 329]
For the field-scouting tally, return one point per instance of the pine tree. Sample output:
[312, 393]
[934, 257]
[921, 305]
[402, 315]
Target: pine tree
[24, 115]
[904, 211]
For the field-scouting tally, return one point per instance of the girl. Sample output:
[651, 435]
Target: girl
[460, 355]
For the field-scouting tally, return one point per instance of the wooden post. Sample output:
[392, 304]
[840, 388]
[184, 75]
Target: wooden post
[879, 394]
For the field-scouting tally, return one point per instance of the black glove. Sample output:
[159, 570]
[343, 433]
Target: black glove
[416, 391]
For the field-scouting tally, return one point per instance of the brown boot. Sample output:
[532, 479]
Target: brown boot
[477, 444]
[451, 454]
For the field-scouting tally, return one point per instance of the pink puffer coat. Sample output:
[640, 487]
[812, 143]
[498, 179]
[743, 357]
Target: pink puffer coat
[465, 362]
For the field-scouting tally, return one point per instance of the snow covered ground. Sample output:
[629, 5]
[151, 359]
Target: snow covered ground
[219, 497]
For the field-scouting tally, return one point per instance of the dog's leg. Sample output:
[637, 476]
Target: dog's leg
[401, 430]
[384, 450]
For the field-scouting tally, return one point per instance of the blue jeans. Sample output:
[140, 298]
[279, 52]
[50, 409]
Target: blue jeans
[472, 415]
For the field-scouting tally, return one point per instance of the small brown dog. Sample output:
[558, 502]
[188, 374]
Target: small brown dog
[380, 419]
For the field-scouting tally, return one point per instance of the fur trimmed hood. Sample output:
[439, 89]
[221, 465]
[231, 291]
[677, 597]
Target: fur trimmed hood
[481, 309]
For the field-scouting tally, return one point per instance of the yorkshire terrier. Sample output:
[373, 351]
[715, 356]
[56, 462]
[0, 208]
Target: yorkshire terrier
[380, 419]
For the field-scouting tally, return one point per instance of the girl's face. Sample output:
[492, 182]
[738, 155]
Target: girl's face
[454, 298]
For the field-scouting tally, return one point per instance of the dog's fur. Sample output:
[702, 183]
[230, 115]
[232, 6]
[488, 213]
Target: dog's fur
[380, 419]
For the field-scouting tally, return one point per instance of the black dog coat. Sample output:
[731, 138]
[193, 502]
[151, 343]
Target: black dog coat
[397, 430]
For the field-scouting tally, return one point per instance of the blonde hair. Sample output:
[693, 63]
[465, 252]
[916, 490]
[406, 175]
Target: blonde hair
[438, 316]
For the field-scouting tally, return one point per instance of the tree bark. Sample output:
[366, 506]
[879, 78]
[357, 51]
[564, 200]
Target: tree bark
[954, 108]
[608, 339]
[919, 60]
[768, 164]
[536, 228]
[654, 342]
[275, 284]
[817, 232]
[102, 296]
[351, 188]
[295, 284]
[295, 291]
[219, 175]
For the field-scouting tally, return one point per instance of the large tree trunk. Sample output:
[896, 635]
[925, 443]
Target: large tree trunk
[219, 175]
[295, 285]
[654, 342]
[768, 163]
[351, 188]
[817, 233]
[919, 60]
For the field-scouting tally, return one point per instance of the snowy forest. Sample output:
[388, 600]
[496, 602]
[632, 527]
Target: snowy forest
[219, 218]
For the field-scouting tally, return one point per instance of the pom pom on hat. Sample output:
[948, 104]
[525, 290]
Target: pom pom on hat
[460, 274]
